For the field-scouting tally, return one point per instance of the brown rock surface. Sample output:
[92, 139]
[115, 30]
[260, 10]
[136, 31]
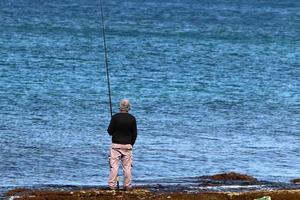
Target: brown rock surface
[100, 194]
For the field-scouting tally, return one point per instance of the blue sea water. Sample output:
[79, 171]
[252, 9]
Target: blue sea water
[214, 87]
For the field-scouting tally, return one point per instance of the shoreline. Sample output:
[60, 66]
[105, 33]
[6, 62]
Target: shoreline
[226, 186]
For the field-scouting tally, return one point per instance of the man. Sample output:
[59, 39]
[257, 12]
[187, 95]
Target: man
[123, 130]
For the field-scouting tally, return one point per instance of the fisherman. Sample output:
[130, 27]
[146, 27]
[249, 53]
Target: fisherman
[123, 130]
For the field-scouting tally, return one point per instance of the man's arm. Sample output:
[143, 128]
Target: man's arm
[111, 126]
[134, 132]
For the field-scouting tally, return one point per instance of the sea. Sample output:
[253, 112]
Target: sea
[214, 86]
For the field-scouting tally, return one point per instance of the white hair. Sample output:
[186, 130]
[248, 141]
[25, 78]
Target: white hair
[125, 105]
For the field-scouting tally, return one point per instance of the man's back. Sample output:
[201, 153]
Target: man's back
[123, 128]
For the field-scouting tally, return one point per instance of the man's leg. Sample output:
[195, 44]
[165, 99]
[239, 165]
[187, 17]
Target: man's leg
[114, 167]
[127, 167]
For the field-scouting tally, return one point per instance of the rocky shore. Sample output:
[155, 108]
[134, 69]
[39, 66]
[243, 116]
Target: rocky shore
[206, 190]
[100, 194]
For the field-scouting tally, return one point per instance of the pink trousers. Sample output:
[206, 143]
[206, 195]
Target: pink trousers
[121, 152]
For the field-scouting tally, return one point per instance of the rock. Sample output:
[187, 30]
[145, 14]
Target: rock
[296, 181]
[231, 176]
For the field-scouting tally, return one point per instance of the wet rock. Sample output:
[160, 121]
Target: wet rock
[231, 176]
[296, 181]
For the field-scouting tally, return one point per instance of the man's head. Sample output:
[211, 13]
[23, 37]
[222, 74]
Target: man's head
[125, 105]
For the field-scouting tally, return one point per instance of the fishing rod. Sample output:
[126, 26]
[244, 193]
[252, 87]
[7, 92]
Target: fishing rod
[107, 72]
[106, 60]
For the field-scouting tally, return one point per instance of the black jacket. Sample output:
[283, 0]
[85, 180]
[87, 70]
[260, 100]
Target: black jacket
[123, 128]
